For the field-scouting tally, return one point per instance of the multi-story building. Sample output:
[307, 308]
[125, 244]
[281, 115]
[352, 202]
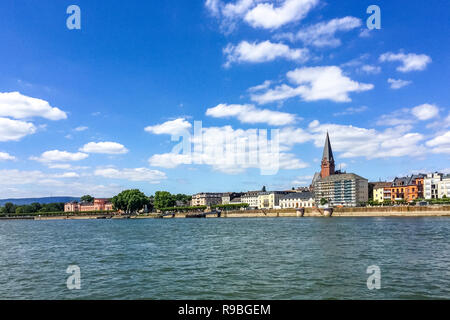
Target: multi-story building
[338, 188]
[251, 198]
[444, 187]
[437, 186]
[381, 191]
[228, 197]
[408, 188]
[432, 181]
[97, 205]
[270, 200]
[206, 199]
[297, 200]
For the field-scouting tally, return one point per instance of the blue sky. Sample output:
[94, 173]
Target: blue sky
[93, 110]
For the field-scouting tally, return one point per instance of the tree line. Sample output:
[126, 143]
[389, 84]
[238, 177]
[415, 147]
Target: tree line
[10, 208]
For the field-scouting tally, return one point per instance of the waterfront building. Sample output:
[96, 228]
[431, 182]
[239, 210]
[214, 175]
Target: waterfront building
[97, 205]
[381, 191]
[228, 197]
[432, 181]
[251, 198]
[298, 200]
[270, 200]
[408, 188]
[437, 186]
[206, 199]
[444, 187]
[338, 188]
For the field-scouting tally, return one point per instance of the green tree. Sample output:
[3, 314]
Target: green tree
[323, 201]
[264, 189]
[164, 199]
[130, 201]
[87, 198]
[10, 207]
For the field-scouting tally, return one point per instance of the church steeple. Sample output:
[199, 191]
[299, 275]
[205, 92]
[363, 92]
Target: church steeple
[327, 159]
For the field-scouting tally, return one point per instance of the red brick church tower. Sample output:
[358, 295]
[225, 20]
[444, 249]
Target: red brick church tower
[327, 160]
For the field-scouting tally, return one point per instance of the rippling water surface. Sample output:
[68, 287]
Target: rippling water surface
[282, 258]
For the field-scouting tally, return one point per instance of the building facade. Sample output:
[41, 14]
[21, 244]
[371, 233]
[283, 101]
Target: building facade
[381, 191]
[251, 198]
[97, 205]
[297, 200]
[229, 197]
[437, 186]
[206, 199]
[408, 188]
[270, 200]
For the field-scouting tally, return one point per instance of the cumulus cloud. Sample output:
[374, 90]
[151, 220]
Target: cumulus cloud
[264, 51]
[106, 147]
[259, 13]
[18, 106]
[406, 116]
[4, 156]
[398, 83]
[60, 156]
[441, 143]
[170, 127]
[266, 15]
[314, 83]
[248, 113]
[323, 34]
[14, 130]
[425, 111]
[135, 174]
[409, 62]
[79, 129]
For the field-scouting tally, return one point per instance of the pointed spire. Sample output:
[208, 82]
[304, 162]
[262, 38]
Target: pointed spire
[327, 152]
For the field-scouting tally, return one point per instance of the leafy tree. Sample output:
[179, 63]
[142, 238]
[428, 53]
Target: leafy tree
[35, 207]
[164, 199]
[323, 201]
[264, 189]
[10, 207]
[130, 201]
[87, 198]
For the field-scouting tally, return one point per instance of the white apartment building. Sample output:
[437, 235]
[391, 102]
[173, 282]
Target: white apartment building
[444, 187]
[251, 198]
[431, 185]
[298, 200]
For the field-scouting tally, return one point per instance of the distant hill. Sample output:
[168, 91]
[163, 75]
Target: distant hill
[25, 201]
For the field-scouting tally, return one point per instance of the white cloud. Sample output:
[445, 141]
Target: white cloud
[314, 83]
[351, 110]
[410, 62]
[259, 13]
[262, 52]
[322, 34]
[425, 111]
[106, 147]
[266, 16]
[79, 129]
[248, 113]
[398, 83]
[170, 127]
[370, 69]
[59, 156]
[441, 143]
[4, 156]
[14, 130]
[18, 106]
[169, 160]
[266, 84]
[135, 174]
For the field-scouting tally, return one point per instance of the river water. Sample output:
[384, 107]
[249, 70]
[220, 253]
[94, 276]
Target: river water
[279, 258]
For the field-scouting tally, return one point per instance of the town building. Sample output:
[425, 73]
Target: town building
[297, 200]
[381, 191]
[408, 188]
[270, 200]
[336, 187]
[251, 198]
[97, 205]
[437, 186]
[228, 197]
[206, 199]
